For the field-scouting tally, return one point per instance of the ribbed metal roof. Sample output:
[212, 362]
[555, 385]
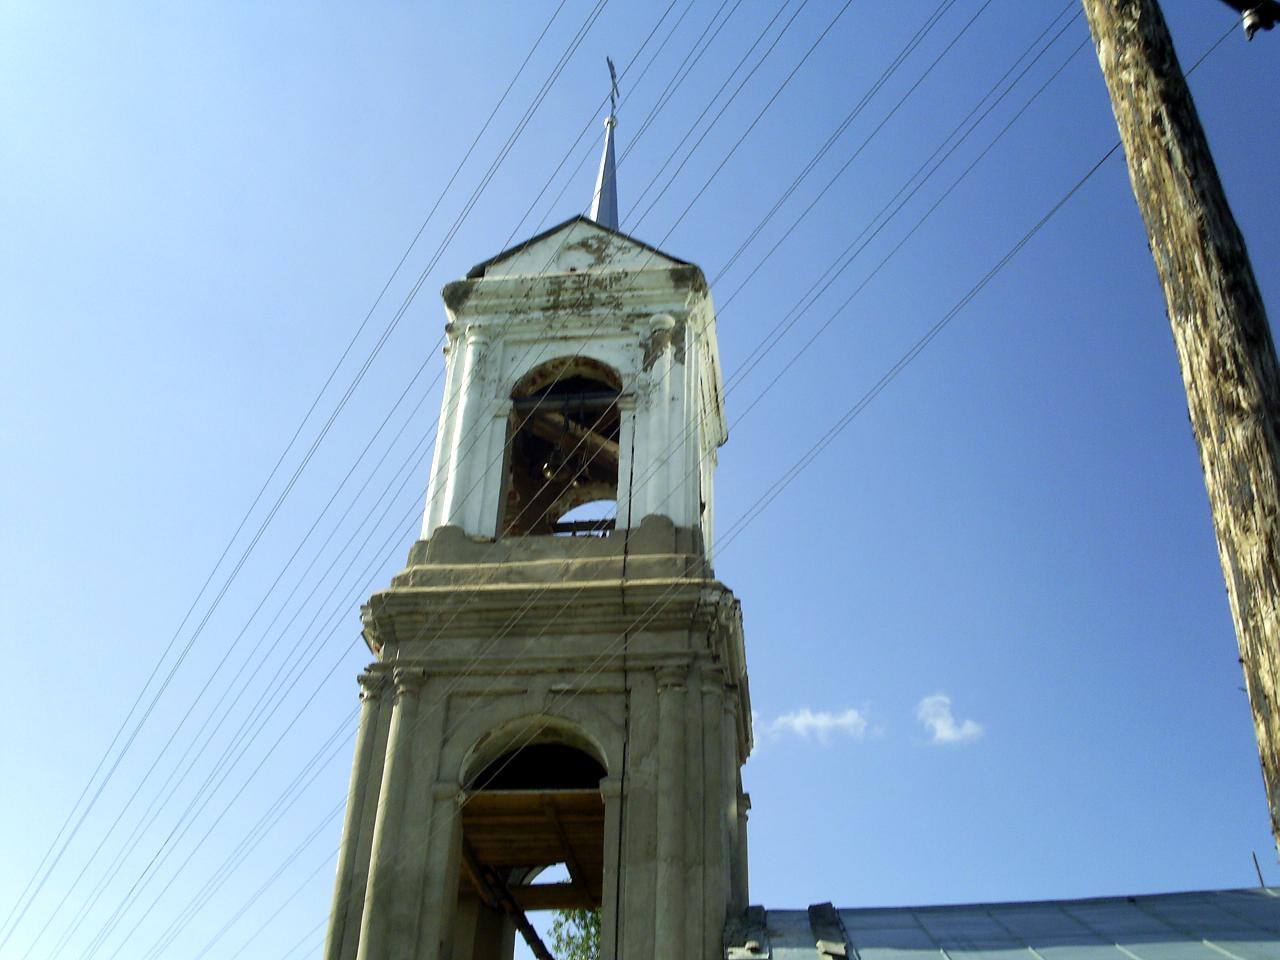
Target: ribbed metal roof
[1211, 925]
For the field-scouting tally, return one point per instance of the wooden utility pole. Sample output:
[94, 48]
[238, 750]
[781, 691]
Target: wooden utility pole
[1220, 329]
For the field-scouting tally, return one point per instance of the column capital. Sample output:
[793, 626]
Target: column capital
[409, 680]
[448, 790]
[372, 685]
[713, 679]
[731, 698]
[672, 677]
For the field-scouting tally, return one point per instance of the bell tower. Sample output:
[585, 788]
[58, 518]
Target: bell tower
[558, 677]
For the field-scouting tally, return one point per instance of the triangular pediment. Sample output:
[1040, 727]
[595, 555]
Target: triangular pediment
[579, 245]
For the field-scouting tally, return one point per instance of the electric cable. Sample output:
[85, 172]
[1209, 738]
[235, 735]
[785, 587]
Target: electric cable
[288, 862]
[924, 341]
[777, 92]
[590, 123]
[306, 881]
[266, 650]
[775, 489]
[650, 116]
[599, 7]
[854, 113]
[165, 788]
[902, 241]
[180, 828]
[22, 904]
[716, 96]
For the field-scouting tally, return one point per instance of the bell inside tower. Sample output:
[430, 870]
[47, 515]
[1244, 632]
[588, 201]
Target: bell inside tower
[563, 449]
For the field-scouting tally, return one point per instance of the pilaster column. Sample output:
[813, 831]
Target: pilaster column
[626, 458]
[744, 808]
[441, 459]
[352, 875]
[611, 902]
[669, 924]
[732, 825]
[387, 866]
[484, 507]
[715, 828]
[664, 461]
[466, 450]
[439, 852]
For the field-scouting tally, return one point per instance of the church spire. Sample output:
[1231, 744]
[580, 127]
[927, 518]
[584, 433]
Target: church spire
[604, 205]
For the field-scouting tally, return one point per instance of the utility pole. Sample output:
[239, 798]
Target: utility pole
[1220, 330]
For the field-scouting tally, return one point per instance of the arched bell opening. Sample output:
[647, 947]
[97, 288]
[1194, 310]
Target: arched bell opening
[533, 826]
[563, 450]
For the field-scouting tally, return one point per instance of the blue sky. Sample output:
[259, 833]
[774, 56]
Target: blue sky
[988, 638]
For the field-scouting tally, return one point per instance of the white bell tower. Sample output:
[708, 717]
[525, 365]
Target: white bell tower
[549, 689]
[581, 339]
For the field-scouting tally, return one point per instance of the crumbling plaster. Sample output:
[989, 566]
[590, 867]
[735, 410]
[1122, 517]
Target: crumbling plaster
[485, 646]
[623, 645]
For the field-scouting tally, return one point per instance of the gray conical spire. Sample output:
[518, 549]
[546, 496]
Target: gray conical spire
[604, 205]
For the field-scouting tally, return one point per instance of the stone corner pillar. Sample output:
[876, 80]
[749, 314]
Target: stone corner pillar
[387, 867]
[670, 895]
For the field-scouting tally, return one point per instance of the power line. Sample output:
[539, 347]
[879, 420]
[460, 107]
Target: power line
[590, 123]
[710, 103]
[856, 111]
[50, 858]
[803, 59]
[920, 345]
[773, 491]
[863, 240]
[681, 74]
[266, 649]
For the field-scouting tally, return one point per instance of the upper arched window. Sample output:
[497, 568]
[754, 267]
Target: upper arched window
[563, 446]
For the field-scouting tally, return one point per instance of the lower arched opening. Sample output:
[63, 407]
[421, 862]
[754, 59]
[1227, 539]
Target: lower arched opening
[533, 827]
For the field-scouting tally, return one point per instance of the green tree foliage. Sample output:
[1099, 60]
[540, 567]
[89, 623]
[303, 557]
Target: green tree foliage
[575, 935]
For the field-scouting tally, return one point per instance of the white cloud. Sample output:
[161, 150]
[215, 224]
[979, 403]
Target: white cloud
[820, 725]
[934, 712]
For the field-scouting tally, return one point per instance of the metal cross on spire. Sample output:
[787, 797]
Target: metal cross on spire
[613, 89]
[604, 205]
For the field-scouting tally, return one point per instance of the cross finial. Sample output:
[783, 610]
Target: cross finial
[604, 205]
[613, 90]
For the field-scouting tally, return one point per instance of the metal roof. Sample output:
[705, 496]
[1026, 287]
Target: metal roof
[1210, 925]
[604, 204]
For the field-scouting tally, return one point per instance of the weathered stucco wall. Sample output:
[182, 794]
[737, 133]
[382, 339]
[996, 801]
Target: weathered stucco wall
[482, 646]
[598, 295]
